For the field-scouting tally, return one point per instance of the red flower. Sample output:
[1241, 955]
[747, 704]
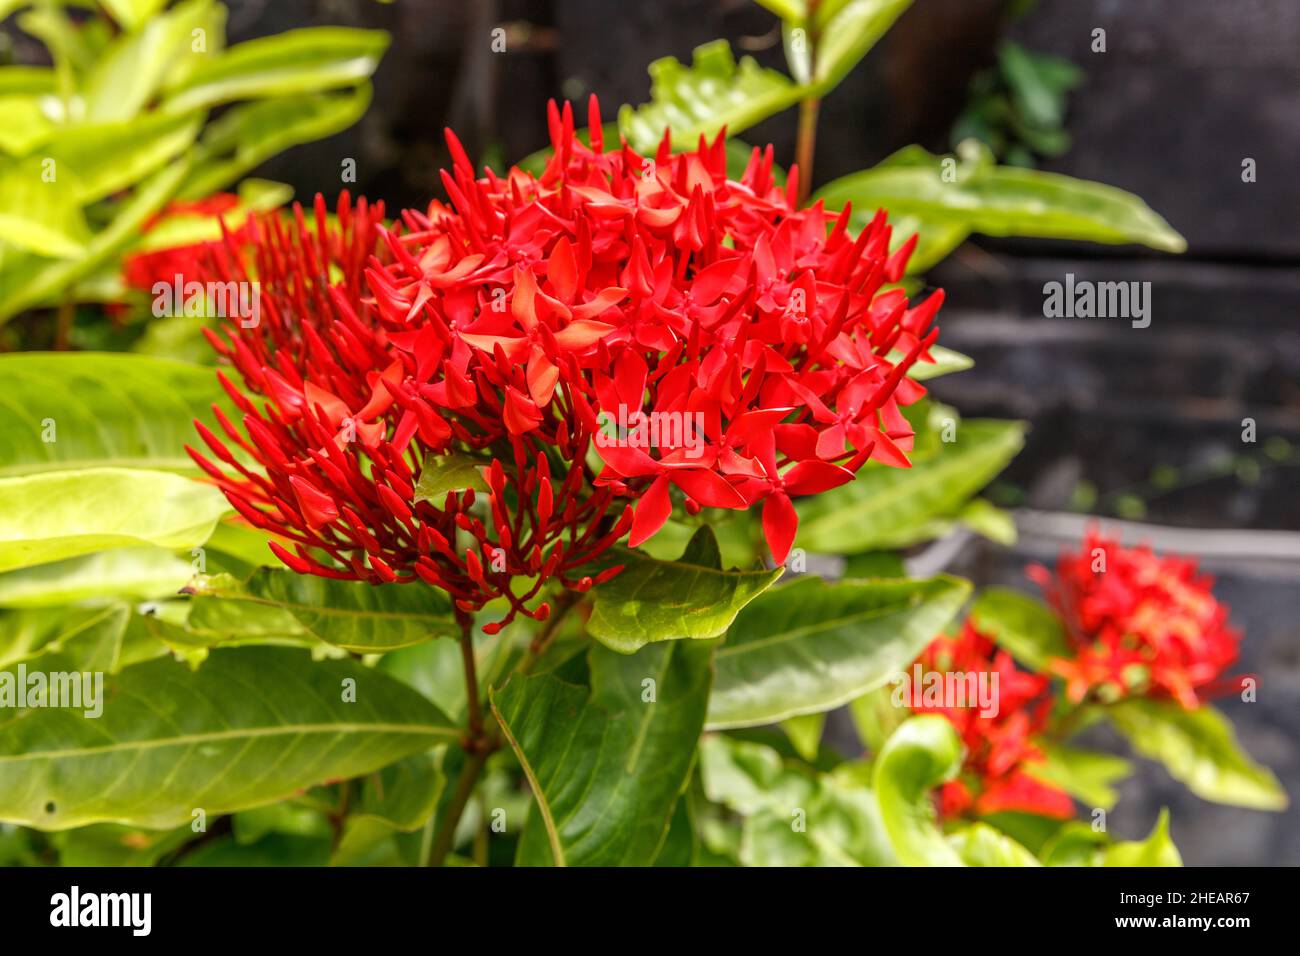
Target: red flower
[518, 323]
[996, 731]
[1139, 624]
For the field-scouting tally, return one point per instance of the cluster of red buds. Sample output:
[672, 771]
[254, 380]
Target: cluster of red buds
[508, 328]
[997, 769]
[1138, 624]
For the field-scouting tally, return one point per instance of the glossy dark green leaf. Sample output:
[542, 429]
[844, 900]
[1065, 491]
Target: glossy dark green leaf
[251, 726]
[440, 474]
[700, 99]
[606, 764]
[810, 646]
[653, 600]
[1003, 201]
[353, 615]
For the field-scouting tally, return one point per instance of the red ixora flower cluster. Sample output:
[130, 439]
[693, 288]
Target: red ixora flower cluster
[1139, 624]
[999, 753]
[508, 328]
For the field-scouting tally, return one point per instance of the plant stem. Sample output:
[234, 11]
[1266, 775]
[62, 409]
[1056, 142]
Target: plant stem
[476, 744]
[472, 706]
[481, 837]
[63, 324]
[806, 144]
[469, 775]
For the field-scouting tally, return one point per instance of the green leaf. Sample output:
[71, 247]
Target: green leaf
[247, 135]
[946, 361]
[792, 11]
[440, 474]
[922, 753]
[74, 638]
[24, 124]
[187, 229]
[680, 844]
[805, 733]
[251, 726]
[1074, 844]
[206, 621]
[353, 615]
[835, 826]
[400, 798]
[108, 844]
[26, 79]
[67, 411]
[745, 776]
[982, 845]
[130, 573]
[1156, 850]
[1003, 201]
[793, 815]
[895, 507]
[654, 600]
[985, 518]
[309, 60]
[935, 240]
[1038, 84]
[36, 215]
[63, 514]
[106, 157]
[1200, 749]
[1025, 627]
[34, 281]
[809, 646]
[1081, 773]
[875, 717]
[848, 34]
[130, 71]
[700, 99]
[606, 765]
[133, 14]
